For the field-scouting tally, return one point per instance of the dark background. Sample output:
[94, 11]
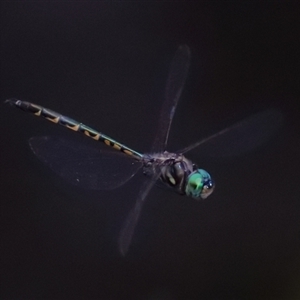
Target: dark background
[105, 64]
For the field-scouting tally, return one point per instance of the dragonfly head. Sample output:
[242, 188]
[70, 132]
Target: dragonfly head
[199, 184]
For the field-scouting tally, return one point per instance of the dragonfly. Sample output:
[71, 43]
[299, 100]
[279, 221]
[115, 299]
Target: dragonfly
[99, 169]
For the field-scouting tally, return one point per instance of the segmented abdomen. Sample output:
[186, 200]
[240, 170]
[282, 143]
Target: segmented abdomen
[57, 118]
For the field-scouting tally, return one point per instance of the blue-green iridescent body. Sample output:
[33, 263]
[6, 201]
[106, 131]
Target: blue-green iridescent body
[175, 170]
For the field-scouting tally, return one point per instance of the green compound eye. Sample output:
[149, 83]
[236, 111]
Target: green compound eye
[199, 184]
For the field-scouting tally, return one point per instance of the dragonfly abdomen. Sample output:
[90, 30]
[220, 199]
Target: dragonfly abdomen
[65, 121]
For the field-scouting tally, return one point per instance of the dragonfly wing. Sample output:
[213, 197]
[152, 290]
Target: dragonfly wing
[83, 166]
[241, 137]
[175, 82]
[127, 230]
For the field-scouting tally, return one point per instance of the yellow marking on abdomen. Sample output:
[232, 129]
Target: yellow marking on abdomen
[117, 146]
[38, 113]
[55, 120]
[107, 142]
[127, 152]
[75, 128]
[96, 137]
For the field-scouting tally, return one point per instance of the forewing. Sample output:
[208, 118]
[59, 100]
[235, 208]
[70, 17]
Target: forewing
[240, 137]
[89, 168]
[175, 82]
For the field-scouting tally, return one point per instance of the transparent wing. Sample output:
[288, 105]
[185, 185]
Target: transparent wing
[175, 82]
[240, 137]
[127, 230]
[83, 166]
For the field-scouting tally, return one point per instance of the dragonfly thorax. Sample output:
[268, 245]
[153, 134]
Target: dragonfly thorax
[175, 170]
[179, 173]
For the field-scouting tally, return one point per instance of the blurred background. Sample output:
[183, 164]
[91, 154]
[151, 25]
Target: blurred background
[106, 64]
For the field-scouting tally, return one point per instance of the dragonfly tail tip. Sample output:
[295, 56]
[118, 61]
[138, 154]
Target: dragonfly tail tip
[11, 101]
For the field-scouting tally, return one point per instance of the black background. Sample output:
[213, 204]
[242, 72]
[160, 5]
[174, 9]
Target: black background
[105, 64]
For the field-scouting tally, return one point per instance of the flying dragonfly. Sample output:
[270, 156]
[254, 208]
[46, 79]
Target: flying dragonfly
[100, 169]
